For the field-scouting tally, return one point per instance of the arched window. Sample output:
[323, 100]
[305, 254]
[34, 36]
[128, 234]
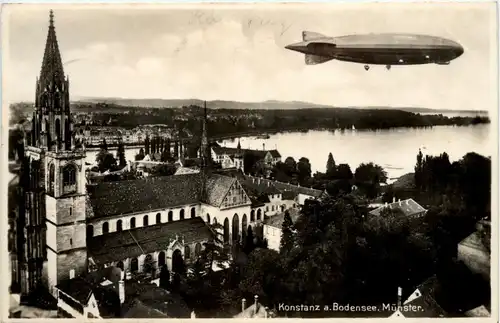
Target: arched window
[267, 208]
[105, 227]
[259, 214]
[197, 250]
[69, 178]
[181, 216]
[132, 223]
[90, 231]
[252, 216]
[119, 226]
[170, 216]
[272, 208]
[208, 218]
[145, 221]
[52, 177]
[161, 259]
[193, 212]
[158, 218]
[215, 221]
[187, 252]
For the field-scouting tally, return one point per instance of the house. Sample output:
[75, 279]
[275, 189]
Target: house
[254, 311]
[474, 251]
[273, 228]
[421, 303]
[107, 293]
[408, 207]
[294, 194]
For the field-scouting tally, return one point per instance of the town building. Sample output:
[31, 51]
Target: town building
[408, 208]
[273, 228]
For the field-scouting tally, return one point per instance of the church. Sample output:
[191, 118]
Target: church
[68, 227]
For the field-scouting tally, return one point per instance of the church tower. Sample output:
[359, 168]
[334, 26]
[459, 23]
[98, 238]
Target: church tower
[58, 178]
[205, 154]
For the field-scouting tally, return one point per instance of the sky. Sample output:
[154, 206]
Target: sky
[236, 52]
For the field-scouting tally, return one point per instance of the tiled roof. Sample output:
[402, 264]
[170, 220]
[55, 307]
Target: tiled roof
[474, 241]
[262, 187]
[232, 151]
[425, 299]
[153, 193]
[149, 299]
[284, 187]
[81, 288]
[274, 153]
[409, 207]
[135, 309]
[117, 246]
[277, 220]
[216, 187]
[141, 195]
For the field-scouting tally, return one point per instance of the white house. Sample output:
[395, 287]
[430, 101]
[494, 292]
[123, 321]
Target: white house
[273, 228]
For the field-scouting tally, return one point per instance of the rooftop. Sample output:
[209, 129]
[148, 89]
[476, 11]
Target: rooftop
[155, 193]
[409, 207]
[277, 220]
[117, 246]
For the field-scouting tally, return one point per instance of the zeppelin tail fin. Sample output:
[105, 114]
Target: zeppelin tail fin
[315, 59]
[311, 35]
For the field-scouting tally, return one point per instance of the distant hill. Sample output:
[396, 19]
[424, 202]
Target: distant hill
[270, 104]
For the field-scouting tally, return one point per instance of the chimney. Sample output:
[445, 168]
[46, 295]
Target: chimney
[71, 274]
[243, 304]
[394, 199]
[121, 287]
[256, 303]
[400, 293]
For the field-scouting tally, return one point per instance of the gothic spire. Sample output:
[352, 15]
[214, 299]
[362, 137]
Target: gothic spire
[52, 71]
[204, 139]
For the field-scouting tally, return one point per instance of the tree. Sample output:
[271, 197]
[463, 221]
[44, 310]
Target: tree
[287, 240]
[140, 155]
[105, 161]
[419, 169]
[344, 172]
[104, 145]
[120, 155]
[304, 169]
[249, 244]
[291, 166]
[368, 178]
[330, 165]
[164, 277]
[147, 144]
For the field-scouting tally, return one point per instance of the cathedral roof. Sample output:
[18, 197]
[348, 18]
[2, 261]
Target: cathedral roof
[155, 193]
[121, 245]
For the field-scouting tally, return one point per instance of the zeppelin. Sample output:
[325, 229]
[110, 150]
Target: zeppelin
[377, 49]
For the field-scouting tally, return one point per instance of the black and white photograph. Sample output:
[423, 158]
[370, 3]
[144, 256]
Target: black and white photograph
[251, 160]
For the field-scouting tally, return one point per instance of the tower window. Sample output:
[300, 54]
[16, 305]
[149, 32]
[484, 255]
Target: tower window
[69, 179]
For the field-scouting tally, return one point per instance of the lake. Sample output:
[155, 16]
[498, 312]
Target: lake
[395, 150]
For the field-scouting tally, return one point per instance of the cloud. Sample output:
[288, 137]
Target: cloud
[220, 55]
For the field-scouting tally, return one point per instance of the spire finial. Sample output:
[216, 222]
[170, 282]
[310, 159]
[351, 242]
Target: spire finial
[51, 19]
